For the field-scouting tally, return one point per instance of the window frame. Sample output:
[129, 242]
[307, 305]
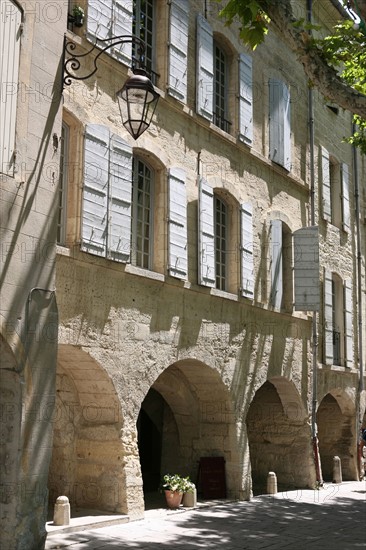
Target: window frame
[134, 216]
[63, 185]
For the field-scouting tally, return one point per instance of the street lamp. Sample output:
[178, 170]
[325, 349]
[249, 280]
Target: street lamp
[137, 99]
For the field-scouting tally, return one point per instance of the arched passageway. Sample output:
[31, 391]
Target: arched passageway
[88, 454]
[190, 415]
[279, 437]
[336, 434]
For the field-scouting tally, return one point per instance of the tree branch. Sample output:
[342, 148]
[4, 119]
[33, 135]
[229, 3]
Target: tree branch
[324, 77]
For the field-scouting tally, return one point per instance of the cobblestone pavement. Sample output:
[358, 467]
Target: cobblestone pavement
[332, 518]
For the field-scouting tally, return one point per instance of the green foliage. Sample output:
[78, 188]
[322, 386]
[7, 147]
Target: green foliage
[344, 49]
[253, 20]
[175, 482]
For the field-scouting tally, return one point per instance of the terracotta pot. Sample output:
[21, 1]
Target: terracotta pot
[173, 498]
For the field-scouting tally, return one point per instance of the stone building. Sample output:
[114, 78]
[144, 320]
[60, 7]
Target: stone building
[167, 265]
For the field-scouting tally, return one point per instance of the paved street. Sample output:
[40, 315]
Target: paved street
[333, 518]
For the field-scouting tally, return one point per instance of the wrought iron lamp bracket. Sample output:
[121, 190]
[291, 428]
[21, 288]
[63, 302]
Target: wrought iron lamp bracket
[73, 64]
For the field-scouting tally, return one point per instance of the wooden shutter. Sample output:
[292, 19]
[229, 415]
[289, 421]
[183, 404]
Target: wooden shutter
[178, 49]
[178, 253]
[10, 24]
[276, 264]
[279, 123]
[348, 323]
[122, 25]
[247, 264]
[99, 19]
[206, 240]
[205, 68]
[326, 196]
[95, 191]
[306, 269]
[245, 99]
[120, 193]
[345, 198]
[328, 318]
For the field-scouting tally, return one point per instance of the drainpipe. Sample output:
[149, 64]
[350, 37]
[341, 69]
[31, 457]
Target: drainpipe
[359, 301]
[314, 430]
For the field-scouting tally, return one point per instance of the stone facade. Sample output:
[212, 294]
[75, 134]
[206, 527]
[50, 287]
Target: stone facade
[156, 370]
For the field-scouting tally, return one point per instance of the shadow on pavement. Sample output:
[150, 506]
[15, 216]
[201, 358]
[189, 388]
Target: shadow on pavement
[263, 523]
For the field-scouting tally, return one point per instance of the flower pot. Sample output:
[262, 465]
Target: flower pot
[190, 499]
[173, 498]
[78, 20]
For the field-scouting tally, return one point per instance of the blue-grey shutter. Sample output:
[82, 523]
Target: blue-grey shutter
[206, 235]
[328, 318]
[99, 19]
[348, 322]
[120, 193]
[306, 269]
[178, 253]
[345, 198]
[178, 49]
[247, 264]
[279, 123]
[205, 68]
[276, 264]
[10, 23]
[326, 196]
[245, 99]
[95, 190]
[122, 25]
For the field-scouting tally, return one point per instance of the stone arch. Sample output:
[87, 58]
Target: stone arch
[279, 436]
[11, 447]
[198, 421]
[88, 452]
[337, 434]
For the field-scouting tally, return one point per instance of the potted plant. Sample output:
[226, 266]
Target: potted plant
[78, 16]
[174, 487]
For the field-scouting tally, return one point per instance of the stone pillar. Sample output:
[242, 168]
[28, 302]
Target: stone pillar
[271, 483]
[337, 470]
[61, 515]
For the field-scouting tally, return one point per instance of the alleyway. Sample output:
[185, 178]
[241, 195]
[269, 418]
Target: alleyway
[332, 518]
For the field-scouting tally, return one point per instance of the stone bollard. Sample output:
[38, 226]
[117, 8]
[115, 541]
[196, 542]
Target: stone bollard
[271, 483]
[337, 470]
[61, 515]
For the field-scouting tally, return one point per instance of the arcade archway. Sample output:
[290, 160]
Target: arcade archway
[279, 437]
[190, 415]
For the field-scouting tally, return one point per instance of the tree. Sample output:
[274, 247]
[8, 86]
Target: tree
[336, 64]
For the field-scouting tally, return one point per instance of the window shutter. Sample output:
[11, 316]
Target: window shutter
[205, 68]
[178, 49]
[95, 192]
[206, 253]
[306, 269]
[178, 254]
[120, 192]
[10, 22]
[247, 264]
[245, 99]
[276, 264]
[279, 123]
[345, 198]
[326, 202]
[122, 25]
[328, 318]
[99, 19]
[348, 322]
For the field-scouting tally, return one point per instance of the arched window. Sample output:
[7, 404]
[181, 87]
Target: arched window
[142, 214]
[220, 114]
[281, 260]
[221, 242]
